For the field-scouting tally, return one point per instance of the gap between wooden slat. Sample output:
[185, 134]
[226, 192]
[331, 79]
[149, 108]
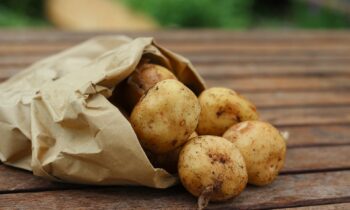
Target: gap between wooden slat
[333, 206]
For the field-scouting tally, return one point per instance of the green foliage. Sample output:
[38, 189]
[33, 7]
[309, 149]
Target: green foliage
[18, 13]
[240, 13]
[306, 16]
[33, 8]
[197, 13]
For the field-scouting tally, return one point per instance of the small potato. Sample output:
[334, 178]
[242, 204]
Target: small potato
[166, 116]
[222, 108]
[169, 160]
[142, 79]
[262, 147]
[212, 168]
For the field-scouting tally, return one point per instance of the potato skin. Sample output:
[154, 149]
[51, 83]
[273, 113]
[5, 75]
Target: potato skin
[141, 80]
[147, 75]
[222, 108]
[262, 147]
[211, 161]
[166, 116]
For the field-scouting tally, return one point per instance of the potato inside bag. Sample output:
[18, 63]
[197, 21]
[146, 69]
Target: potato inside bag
[56, 118]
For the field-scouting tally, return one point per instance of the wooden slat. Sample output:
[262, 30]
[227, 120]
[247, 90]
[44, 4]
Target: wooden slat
[270, 70]
[317, 159]
[16, 180]
[299, 99]
[340, 206]
[283, 83]
[321, 135]
[286, 191]
[261, 46]
[33, 48]
[306, 116]
[20, 61]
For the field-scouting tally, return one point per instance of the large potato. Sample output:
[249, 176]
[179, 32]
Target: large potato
[222, 108]
[262, 147]
[166, 116]
[212, 168]
[142, 79]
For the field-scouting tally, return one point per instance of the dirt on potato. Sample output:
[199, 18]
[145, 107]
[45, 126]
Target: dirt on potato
[262, 147]
[212, 169]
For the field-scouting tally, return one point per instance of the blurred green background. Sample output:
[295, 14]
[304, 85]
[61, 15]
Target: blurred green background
[228, 14]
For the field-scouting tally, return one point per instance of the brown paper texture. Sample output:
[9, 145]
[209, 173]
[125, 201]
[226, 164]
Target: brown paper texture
[56, 119]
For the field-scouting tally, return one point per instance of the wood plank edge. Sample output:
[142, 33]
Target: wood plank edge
[313, 171]
[312, 202]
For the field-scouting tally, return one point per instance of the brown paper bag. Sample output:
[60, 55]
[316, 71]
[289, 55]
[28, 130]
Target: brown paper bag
[56, 120]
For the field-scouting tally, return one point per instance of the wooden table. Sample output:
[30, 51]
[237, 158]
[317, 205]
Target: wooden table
[300, 81]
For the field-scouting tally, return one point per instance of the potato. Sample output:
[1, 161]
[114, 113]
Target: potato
[166, 116]
[142, 79]
[262, 147]
[212, 168]
[222, 108]
[169, 160]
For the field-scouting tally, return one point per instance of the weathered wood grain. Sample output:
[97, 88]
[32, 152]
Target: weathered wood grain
[306, 116]
[340, 206]
[270, 70]
[284, 83]
[17, 180]
[317, 135]
[286, 191]
[299, 99]
[317, 159]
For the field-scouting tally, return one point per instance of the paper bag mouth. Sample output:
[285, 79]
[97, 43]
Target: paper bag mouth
[76, 134]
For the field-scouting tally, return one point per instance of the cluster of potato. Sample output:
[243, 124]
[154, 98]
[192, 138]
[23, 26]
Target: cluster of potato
[214, 142]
